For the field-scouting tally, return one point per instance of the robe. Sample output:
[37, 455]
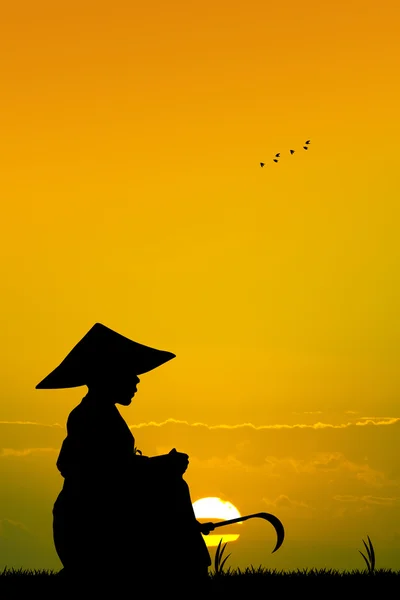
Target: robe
[118, 511]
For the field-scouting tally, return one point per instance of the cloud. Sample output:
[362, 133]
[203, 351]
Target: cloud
[377, 421]
[327, 464]
[11, 529]
[364, 421]
[4, 452]
[380, 501]
[336, 461]
[388, 419]
[30, 423]
[308, 412]
[22, 435]
[346, 498]
[284, 501]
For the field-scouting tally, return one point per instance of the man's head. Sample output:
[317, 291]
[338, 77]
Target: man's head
[113, 387]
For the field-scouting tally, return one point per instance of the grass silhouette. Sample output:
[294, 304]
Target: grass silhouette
[253, 582]
[234, 582]
[218, 562]
[370, 561]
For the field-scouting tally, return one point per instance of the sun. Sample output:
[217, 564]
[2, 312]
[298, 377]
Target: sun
[214, 509]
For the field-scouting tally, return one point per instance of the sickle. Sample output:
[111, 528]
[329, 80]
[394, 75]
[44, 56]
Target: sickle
[280, 532]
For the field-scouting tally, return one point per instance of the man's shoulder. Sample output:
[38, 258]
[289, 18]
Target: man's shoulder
[84, 413]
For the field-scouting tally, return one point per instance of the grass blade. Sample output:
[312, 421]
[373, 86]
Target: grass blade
[368, 550]
[217, 557]
[218, 562]
[372, 554]
[366, 560]
[224, 561]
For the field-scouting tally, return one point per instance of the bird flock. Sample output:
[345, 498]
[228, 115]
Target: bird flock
[277, 156]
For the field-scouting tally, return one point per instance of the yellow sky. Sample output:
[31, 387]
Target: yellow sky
[132, 195]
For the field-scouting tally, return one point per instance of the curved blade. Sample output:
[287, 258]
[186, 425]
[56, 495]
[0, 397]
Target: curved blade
[275, 522]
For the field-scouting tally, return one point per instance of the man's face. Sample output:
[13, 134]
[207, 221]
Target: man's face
[124, 389]
[118, 389]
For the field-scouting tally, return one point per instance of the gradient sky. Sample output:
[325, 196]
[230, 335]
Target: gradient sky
[132, 195]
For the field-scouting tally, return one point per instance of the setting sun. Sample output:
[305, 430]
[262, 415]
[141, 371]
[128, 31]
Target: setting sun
[216, 510]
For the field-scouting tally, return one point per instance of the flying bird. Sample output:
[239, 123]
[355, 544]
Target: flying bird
[278, 154]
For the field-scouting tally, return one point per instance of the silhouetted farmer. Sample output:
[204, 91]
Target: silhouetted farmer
[120, 513]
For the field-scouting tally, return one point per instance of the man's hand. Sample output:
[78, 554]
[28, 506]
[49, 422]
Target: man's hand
[180, 461]
[205, 528]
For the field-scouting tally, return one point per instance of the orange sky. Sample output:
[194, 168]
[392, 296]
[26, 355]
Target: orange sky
[132, 195]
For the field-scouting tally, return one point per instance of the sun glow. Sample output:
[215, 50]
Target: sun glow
[214, 509]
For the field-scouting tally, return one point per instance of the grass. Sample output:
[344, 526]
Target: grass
[218, 562]
[252, 582]
[370, 561]
[349, 583]
[255, 581]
